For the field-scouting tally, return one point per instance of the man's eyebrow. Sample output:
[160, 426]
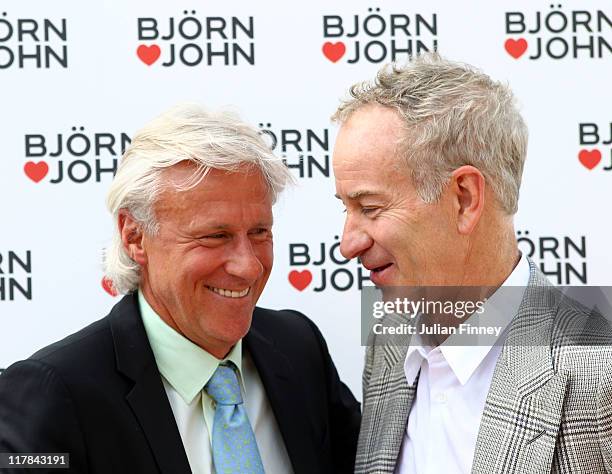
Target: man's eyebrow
[358, 194]
[219, 226]
[215, 226]
[222, 226]
[266, 223]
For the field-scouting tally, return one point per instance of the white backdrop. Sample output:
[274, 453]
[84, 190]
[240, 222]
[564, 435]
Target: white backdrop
[95, 72]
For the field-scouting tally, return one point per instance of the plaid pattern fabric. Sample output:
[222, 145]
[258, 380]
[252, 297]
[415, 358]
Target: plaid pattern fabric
[549, 407]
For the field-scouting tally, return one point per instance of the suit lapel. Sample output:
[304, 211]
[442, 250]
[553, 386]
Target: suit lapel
[286, 399]
[147, 398]
[522, 413]
[386, 407]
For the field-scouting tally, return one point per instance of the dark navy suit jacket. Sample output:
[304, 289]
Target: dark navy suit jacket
[98, 395]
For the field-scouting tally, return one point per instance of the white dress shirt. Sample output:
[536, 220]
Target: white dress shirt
[185, 369]
[452, 389]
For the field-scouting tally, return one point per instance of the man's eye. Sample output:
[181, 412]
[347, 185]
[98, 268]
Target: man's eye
[214, 236]
[368, 210]
[260, 232]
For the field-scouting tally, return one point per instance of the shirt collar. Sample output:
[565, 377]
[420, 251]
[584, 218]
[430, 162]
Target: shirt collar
[464, 360]
[185, 365]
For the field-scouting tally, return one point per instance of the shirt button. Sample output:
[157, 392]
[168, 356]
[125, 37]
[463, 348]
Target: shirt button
[440, 397]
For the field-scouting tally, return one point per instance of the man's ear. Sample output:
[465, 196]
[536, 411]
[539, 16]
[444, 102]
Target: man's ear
[468, 188]
[132, 237]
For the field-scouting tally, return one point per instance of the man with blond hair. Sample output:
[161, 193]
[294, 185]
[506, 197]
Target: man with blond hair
[428, 163]
[185, 374]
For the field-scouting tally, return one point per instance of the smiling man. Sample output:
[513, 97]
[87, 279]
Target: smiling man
[185, 374]
[428, 163]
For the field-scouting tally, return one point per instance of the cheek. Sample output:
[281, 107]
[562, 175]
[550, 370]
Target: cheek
[400, 242]
[264, 252]
[392, 235]
[201, 262]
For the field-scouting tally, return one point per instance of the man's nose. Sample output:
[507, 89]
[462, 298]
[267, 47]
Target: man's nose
[355, 239]
[244, 262]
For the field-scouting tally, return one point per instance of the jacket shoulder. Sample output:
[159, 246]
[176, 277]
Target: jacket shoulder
[278, 320]
[581, 339]
[289, 331]
[76, 345]
[87, 353]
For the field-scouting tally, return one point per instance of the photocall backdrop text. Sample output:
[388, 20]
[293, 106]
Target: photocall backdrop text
[79, 78]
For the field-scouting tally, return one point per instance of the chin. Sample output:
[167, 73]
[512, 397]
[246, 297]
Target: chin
[237, 330]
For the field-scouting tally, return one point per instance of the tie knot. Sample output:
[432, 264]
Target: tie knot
[223, 386]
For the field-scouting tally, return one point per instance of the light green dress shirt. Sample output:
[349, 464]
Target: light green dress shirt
[185, 369]
[186, 366]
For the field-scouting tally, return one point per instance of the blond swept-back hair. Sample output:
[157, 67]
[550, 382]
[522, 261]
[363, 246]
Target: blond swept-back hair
[454, 115]
[185, 133]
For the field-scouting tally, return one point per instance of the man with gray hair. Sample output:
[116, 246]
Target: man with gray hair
[428, 163]
[185, 374]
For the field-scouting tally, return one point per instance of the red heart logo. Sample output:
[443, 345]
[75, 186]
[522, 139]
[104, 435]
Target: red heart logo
[300, 280]
[334, 51]
[107, 284]
[36, 171]
[515, 48]
[589, 159]
[148, 54]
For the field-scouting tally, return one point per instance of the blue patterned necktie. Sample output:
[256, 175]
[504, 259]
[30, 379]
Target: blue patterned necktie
[233, 442]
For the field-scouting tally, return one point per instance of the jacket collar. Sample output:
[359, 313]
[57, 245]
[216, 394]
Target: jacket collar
[286, 396]
[525, 400]
[147, 398]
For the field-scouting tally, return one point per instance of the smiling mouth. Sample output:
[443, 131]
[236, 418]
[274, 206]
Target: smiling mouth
[229, 293]
[381, 268]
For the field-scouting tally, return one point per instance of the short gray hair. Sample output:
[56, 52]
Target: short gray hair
[454, 115]
[185, 133]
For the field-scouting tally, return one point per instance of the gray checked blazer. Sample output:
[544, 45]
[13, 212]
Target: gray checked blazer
[549, 406]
